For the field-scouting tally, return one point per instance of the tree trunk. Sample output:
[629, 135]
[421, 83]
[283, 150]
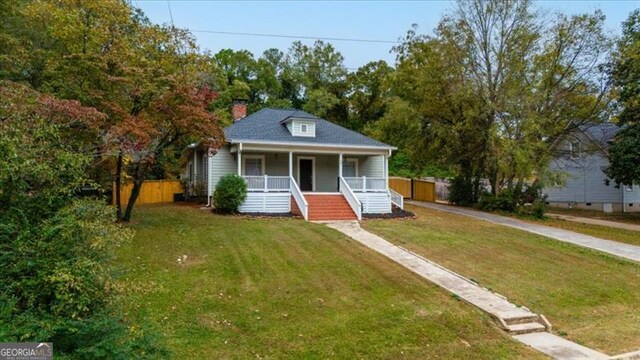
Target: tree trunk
[137, 185]
[118, 181]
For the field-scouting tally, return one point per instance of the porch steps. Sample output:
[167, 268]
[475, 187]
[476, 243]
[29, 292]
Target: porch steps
[329, 207]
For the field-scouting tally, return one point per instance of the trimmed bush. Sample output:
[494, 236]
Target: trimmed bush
[230, 193]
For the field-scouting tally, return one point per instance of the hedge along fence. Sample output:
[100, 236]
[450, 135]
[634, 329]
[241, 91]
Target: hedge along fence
[152, 191]
[413, 188]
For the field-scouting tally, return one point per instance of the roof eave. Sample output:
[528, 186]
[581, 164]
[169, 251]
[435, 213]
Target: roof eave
[295, 143]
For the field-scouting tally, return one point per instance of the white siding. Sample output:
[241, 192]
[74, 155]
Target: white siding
[375, 203]
[585, 182]
[372, 166]
[266, 203]
[296, 128]
[222, 163]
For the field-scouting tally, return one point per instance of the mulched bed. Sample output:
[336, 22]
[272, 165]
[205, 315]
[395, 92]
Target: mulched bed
[396, 213]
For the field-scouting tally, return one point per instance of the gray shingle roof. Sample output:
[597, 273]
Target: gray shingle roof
[602, 132]
[267, 125]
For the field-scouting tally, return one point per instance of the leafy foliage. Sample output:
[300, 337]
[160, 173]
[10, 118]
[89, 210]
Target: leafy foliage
[497, 87]
[624, 155]
[147, 79]
[54, 246]
[230, 193]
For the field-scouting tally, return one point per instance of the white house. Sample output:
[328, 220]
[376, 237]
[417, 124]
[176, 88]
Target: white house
[582, 159]
[295, 162]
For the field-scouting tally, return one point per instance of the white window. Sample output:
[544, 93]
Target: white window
[350, 167]
[303, 128]
[253, 165]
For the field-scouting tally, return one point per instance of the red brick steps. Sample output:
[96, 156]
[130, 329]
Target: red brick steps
[329, 207]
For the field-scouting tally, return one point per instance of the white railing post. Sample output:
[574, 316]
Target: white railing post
[364, 184]
[266, 183]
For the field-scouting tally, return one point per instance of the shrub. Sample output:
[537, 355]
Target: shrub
[504, 201]
[461, 191]
[230, 193]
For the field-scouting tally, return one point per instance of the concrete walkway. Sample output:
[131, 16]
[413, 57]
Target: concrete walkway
[600, 222]
[511, 317]
[559, 348]
[623, 250]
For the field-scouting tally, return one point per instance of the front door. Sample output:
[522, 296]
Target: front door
[306, 174]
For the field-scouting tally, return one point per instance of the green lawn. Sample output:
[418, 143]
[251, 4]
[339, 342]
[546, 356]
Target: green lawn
[589, 297]
[285, 288]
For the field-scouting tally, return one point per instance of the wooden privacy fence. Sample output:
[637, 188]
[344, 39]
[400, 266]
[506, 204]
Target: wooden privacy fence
[152, 191]
[424, 190]
[401, 185]
[413, 188]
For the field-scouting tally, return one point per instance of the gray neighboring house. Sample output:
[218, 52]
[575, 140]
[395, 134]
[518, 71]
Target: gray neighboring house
[582, 159]
[295, 162]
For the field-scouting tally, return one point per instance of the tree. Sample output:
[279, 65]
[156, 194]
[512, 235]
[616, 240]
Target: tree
[369, 92]
[107, 55]
[624, 154]
[499, 87]
[178, 114]
[54, 246]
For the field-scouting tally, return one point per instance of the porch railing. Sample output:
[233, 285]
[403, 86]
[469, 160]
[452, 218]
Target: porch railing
[268, 183]
[366, 184]
[299, 198]
[348, 194]
[396, 199]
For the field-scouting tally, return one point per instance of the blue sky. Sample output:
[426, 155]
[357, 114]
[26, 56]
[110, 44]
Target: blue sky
[379, 20]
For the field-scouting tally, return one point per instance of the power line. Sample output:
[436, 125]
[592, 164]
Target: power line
[171, 14]
[296, 36]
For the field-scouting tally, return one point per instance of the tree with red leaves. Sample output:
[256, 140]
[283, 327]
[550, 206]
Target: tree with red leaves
[178, 114]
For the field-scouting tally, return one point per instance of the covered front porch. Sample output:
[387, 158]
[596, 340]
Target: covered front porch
[312, 172]
[274, 177]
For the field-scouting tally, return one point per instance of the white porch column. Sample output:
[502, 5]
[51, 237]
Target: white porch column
[240, 159]
[340, 157]
[386, 170]
[291, 164]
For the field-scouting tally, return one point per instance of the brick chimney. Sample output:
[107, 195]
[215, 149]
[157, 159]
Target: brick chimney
[239, 109]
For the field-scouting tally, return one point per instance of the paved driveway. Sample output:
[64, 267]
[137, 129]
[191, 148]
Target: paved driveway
[626, 251]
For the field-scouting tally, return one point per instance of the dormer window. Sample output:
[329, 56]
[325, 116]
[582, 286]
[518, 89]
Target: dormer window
[301, 127]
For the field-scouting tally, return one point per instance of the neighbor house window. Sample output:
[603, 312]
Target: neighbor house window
[303, 128]
[254, 165]
[575, 149]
